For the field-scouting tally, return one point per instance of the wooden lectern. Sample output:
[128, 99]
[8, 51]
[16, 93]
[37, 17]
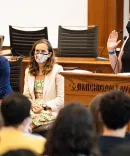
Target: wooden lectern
[83, 87]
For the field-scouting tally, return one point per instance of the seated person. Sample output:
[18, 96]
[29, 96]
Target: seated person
[72, 133]
[19, 152]
[94, 107]
[115, 114]
[44, 86]
[15, 109]
[122, 62]
[5, 87]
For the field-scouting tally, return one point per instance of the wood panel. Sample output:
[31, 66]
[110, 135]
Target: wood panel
[119, 12]
[96, 16]
[108, 15]
[84, 87]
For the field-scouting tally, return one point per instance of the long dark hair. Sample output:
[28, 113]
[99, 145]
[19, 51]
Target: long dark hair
[94, 107]
[72, 133]
[33, 65]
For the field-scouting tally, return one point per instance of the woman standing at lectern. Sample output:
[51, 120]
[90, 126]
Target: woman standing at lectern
[122, 62]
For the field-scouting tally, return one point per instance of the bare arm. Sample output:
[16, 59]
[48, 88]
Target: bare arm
[112, 43]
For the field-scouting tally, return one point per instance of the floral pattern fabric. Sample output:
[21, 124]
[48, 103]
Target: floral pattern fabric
[43, 117]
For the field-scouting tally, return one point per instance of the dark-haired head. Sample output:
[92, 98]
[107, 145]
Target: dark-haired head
[95, 110]
[47, 67]
[19, 152]
[15, 108]
[115, 109]
[72, 133]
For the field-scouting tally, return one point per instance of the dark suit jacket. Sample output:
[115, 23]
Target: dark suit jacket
[5, 87]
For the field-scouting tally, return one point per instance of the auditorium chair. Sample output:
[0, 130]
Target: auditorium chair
[21, 41]
[78, 43]
[16, 75]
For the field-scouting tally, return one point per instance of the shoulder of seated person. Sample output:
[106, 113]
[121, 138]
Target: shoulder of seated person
[2, 58]
[33, 136]
[27, 70]
[57, 67]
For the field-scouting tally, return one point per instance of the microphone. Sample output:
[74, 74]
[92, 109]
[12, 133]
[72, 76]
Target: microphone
[121, 31]
[102, 58]
[125, 37]
[11, 54]
[20, 55]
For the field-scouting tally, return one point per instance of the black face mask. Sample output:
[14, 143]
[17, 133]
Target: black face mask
[128, 27]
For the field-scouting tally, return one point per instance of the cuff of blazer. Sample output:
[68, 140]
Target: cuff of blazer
[52, 106]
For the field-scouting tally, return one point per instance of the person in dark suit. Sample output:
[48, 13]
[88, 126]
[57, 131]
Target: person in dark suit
[123, 150]
[115, 114]
[5, 87]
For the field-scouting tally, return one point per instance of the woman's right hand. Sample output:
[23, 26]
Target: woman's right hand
[112, 42]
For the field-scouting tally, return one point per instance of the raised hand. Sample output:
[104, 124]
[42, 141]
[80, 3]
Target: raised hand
[112, 42]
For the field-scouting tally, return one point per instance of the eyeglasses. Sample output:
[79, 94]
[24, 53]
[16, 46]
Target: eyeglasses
[41, 52]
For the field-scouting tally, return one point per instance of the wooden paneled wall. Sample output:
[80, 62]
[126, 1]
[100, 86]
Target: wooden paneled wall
[108, 15]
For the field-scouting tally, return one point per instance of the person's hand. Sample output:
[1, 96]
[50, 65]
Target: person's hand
[36, 108]
[48, 108]
[112, 42]
[32, 126]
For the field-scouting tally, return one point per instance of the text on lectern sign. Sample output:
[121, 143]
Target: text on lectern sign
[98, 87]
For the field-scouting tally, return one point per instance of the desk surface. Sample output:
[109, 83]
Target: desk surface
[90, 64]
[67, 60]
[5, 52]
[80, 60]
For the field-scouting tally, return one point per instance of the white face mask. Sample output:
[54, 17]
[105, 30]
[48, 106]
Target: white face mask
[41, 58]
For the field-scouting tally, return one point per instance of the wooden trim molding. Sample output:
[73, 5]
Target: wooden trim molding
[108, 15]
